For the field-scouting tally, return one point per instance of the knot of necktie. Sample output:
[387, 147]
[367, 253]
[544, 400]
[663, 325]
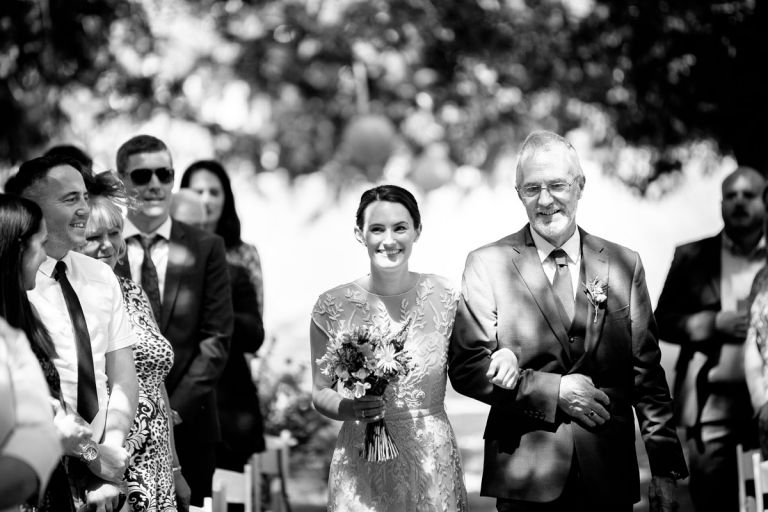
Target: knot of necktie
[59, 270]
[148, 241]
[560, 257]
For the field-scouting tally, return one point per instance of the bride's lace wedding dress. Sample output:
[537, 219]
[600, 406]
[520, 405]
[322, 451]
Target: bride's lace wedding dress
[427, 475]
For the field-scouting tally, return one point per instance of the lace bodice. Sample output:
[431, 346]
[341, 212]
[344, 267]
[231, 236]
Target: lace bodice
[430, 305]
[427, 475]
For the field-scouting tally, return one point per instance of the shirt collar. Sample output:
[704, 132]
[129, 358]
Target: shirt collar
[572, 246]
[130, 230]
[732, 248]
[48, 265]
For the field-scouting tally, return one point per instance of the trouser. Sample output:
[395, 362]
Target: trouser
[198, 462]
[713, 466]
[572, 499]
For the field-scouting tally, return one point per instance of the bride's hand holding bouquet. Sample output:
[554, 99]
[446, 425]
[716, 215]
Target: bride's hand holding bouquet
[365, 360]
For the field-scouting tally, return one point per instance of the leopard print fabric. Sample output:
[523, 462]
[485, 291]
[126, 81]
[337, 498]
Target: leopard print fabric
[149, 476]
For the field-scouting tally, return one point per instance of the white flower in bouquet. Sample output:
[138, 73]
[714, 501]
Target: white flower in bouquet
[365, 360]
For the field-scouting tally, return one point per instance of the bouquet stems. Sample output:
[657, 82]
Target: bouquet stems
[379, 445]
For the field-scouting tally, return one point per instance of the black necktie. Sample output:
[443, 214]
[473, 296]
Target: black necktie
[562, 283]
[87, 399]
[149, 275]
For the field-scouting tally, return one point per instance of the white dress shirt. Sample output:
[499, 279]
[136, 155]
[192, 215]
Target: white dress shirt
[159, 251]
[737, 271]
[101, 298]
[572, 248]
[26, 416]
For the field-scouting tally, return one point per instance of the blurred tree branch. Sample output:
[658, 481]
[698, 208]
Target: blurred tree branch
[284, 76]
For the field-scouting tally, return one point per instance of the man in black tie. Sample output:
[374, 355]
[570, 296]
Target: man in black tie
[183, 269]
[80, 302]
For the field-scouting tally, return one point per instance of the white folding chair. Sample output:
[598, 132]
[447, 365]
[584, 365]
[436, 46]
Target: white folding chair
[745, 468]
[273, 464]
[233, 487]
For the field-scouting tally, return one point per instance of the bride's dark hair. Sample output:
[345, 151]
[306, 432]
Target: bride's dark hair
[393, 194]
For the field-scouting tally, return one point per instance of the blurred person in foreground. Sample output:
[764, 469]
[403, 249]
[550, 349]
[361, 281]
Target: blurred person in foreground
[82, 309]
[427, 473]
[22, 235]
[756, 350]
[573, 311]
[153, 476]
[703, 307]
[242, 429]
[29, 443]
[183, 271]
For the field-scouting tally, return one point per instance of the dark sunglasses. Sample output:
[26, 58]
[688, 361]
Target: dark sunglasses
[144, 176]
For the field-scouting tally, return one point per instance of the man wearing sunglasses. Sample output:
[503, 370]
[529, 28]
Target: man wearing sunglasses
[183, 270]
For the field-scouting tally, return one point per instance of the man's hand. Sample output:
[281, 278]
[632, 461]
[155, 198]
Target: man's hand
[732, 323]
[183, 492]
[110, 464]
[73, 432]
[504, 370]
[102, 497]
[581, 400]
[661, 494]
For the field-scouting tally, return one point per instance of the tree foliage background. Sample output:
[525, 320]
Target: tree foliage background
[274, 82]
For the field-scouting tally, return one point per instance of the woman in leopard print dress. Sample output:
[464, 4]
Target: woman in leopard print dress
[153, 477]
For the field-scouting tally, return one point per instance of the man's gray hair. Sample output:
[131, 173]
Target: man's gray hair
[543, 140]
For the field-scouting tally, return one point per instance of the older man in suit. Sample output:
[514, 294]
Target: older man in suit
[183, 270]
[704, 308]
[573, 310]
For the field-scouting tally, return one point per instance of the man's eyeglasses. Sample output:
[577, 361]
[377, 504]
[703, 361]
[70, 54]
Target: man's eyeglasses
[144, 176]
[555, 188]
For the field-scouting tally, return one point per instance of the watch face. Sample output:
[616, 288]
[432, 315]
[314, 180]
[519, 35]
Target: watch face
[89, 453]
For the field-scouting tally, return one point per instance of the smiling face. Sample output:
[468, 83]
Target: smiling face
[154, 196]
[211, 193]
[64, 201]
[552, 215]
[33, 256]
[389, 233]
[104, 243]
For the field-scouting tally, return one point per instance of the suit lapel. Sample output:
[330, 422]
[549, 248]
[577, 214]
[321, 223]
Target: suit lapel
[178, 254]
[595, 265]
[527, 262]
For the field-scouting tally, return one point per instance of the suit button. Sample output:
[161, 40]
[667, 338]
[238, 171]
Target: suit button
[576, 339]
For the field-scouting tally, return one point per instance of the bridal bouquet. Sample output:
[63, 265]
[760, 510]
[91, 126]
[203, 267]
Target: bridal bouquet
[365, 360]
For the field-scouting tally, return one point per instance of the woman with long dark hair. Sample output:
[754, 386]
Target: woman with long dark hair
[239, 410]
[22, 235]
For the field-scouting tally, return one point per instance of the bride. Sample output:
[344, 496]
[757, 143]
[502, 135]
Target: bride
[427, 473]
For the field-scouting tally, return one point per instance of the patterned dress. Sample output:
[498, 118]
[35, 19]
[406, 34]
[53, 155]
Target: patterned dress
[149, 475]
[427, 475]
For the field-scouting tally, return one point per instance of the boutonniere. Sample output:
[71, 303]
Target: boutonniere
[596, 293]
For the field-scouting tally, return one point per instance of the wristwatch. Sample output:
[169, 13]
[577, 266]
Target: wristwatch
[89, 453]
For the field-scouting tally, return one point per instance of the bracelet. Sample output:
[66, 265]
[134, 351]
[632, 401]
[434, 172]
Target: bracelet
[176, 469]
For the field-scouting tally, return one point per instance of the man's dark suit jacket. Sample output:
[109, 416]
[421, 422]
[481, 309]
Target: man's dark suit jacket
[197, 319]
[692, 286]
[507, 302]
